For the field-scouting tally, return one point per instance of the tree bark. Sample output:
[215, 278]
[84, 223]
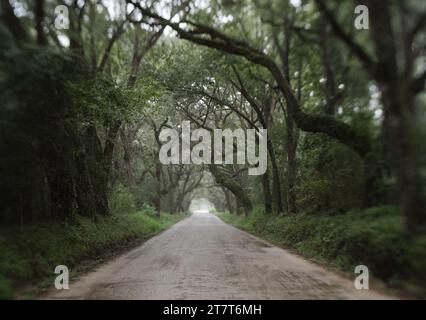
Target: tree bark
[266, 192]
[228, 200]
[291, 147]
[399, 88]
[39, 20]
[95, 165]
[157, 201]
[233, 186]
[276, 184]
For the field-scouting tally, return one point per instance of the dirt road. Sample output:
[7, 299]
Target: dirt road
[201, 257]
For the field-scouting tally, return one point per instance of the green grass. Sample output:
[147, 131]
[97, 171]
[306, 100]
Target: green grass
[373, 237]
[28, 255]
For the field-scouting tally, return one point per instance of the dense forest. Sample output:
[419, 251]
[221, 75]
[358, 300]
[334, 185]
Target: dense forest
[85, 98]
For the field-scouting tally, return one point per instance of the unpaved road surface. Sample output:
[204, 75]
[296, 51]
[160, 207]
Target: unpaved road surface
[201, 257]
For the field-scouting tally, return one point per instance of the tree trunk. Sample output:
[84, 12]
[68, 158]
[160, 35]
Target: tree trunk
[39, 19]
[95, 165]
[126, 139]
[233, 186]
[398, 98]
[228, 200]
[86, 196]
[291, 147]
[400, 123]
[266, 192]
[276, 184]
[157, 201]
[398, 87]
[238, 209]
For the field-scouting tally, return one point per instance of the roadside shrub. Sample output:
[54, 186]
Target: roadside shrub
[373, 237]
[122, 201]
[149, 210]
[30, 253]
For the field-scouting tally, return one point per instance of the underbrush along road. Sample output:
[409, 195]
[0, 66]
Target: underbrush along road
[202, 257]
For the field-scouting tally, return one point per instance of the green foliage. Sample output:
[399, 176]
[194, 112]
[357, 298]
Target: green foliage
[38, 135]
[122, 201]
[103, 100]
[99, 99]
[330, 176]
[149, 210]
[30, 254]
[52, 162]
[373, 237]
